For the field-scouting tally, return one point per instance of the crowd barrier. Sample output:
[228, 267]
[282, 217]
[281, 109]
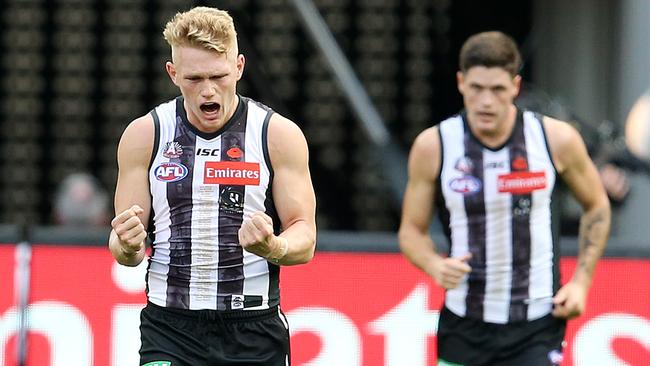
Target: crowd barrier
[357, 303]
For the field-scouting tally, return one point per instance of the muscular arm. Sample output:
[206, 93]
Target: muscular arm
[293, 193]
[581, 176]
[417, 210]
[132, 197]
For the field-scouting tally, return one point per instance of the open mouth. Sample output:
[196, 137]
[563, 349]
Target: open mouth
[485, 114]
[210, 107]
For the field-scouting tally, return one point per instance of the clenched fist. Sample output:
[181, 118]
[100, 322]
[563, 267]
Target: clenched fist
[130, 230]
[450, 272]
[256, 236]
[570, 301]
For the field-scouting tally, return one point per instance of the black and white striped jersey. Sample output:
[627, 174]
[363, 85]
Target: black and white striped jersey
[202, 186]
[496, 205]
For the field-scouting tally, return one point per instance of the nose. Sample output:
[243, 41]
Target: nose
[486, 97]
[208, 89]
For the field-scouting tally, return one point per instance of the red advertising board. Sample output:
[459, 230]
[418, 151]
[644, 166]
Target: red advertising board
[343, 308]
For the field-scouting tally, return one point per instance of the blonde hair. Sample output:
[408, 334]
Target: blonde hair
[205, 27]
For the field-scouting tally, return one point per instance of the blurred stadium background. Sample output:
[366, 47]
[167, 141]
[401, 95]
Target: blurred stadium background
[73, 73]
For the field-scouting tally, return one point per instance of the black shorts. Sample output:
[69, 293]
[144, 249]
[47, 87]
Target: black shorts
[471, 342]
[177, 337]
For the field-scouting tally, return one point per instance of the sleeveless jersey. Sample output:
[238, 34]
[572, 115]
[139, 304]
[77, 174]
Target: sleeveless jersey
[496, 205]
[202, 186]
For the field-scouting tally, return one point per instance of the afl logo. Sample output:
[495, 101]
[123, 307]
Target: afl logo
[465, 185]
[170, 172]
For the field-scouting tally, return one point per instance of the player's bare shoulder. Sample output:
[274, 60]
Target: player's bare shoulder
[285, 140]
[565, 142]
[424, 157]
[427, 142]
[558, 130]
[136, 143]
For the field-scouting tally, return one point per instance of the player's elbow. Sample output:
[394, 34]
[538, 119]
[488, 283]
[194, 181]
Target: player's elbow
[600, 207]
[308, 256]
[405, 238]
[302, 251]
[309, 251]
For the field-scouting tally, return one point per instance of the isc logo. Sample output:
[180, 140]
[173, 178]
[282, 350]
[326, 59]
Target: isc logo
[207, 152]
[170, 172]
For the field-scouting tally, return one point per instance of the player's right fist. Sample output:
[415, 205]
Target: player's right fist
[130, 230]
[450, 272]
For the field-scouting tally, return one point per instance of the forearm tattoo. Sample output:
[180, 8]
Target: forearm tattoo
[594, 230]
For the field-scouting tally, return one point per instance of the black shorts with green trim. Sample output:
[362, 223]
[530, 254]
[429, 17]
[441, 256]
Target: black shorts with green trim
[178, 337]
[472, 342]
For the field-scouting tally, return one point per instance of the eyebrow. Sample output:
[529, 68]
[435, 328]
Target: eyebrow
[495, 86]
[206, 75]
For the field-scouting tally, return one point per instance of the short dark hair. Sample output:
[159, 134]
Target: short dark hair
[490, 49]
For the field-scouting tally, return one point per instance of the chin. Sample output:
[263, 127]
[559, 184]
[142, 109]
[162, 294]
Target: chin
[485, 122]
[212, 122]
[487, 128]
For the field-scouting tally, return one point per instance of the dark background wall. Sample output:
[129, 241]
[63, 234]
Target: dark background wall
[74, 73]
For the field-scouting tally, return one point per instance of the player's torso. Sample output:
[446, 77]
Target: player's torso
[498, 206]
[202, 187]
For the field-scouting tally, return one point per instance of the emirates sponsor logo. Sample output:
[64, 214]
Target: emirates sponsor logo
[232, 173]
[521, 182]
